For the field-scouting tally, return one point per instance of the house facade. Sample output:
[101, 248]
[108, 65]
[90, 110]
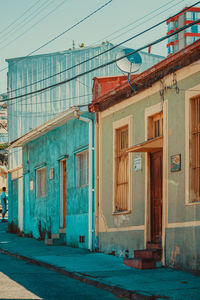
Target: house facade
[27, 111]
[58, 180]
[147, 164]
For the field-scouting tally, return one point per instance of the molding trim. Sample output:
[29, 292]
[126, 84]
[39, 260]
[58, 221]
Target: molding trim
[183, 224]
[118, 229]
[188, 95]
[155, 88]
[118, 124]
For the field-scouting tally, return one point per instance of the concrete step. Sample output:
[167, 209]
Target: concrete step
[140, 263]
[48, 242]
[153, 245]
[57, 239]
[148, 254]
[62, 230]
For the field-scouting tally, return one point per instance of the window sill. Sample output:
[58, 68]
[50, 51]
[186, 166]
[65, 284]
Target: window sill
[125, 212]
[192, 203]
[81, 186]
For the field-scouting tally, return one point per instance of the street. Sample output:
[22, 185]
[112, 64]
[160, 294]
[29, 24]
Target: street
[20, 280]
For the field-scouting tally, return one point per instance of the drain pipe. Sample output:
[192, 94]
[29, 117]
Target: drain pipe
[90, 187]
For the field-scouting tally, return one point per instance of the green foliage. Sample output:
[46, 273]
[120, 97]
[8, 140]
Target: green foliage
[4, 146]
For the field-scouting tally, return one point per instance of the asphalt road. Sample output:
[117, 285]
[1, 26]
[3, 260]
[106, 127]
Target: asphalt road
[20, 280]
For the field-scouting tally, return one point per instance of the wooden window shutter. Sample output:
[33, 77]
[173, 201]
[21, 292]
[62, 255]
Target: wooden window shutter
[194, 150]
[121, 167]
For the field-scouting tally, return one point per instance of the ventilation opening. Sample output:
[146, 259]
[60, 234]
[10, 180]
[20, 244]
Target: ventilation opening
[82, 239]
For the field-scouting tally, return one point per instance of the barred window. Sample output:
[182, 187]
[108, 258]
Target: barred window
[155, 124]
[194, 150]
[41, 182]
[82, 169]
[121, 167]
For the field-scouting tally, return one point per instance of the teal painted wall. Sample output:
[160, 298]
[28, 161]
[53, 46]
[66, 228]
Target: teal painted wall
[68, 139]
[13, 201]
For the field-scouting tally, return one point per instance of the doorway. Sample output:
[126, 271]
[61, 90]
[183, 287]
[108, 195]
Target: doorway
[156, 165]
[63, 194]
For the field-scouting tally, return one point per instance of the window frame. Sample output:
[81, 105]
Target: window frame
[77, 174]
[189, 94]
[40, 194]
[194, 156]
[127, 121]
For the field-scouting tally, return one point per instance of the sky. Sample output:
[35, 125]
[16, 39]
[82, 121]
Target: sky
[26, 25]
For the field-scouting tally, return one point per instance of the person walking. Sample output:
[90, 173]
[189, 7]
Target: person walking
[3, 197]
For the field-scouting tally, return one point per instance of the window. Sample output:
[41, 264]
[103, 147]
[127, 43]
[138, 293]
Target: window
[82, 169]
[170, 49]
[171, 39]
[41, 182]
[170, 26]
[195, 150]
[189, 16]
[189, 40]
[121, 169]
[155, 126]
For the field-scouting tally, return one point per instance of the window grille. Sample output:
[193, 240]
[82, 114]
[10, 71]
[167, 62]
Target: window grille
[155, 126]
[121, 169]
[41, 182]
[194, 151]
[82, 169]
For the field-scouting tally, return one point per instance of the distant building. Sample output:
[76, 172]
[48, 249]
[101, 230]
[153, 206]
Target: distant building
[187, 36]
[3, 119]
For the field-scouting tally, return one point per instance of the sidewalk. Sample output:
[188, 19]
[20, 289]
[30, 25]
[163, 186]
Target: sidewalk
[102, 270]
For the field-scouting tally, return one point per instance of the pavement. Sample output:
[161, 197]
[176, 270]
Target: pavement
[102, 270]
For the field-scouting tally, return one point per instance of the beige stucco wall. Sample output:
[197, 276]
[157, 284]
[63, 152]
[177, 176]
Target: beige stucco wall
[121, 232]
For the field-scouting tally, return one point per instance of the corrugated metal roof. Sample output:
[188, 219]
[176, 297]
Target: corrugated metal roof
[27, 113]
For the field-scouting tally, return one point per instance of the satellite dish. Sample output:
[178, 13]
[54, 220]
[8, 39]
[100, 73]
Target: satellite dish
[130, 63]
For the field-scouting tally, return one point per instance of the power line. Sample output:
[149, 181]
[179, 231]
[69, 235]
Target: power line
[97, 42]
[5, 28]
[33, 25]
[95, 56]
[137, 20]
[65, 31]
[56, 100]
[106, 64]
[147, 20]
[44, 113]
[28, 18]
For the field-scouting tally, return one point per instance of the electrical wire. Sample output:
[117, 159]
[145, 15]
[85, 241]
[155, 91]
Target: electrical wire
[44, 113]
[56, 100]
[128, 25]
[28, 18]
[33, 25]
[151, 18]
[137, 20]
[95, 56]
[108, 63]
[5, 28]
[65, 31]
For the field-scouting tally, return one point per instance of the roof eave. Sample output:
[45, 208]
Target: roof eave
[58, 121]
[145, 80]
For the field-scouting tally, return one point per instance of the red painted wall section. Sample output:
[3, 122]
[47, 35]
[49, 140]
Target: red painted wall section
[103, 85]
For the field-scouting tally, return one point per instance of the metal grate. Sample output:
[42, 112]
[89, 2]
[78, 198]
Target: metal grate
[121, 167]
[195, 153]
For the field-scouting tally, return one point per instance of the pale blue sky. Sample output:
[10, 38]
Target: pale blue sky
[48, 18]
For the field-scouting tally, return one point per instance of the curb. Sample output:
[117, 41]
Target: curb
[115, 290]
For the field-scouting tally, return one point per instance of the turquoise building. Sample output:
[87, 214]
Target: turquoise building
[51, 159]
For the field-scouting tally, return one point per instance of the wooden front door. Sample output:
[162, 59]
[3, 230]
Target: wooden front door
[156, 197]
